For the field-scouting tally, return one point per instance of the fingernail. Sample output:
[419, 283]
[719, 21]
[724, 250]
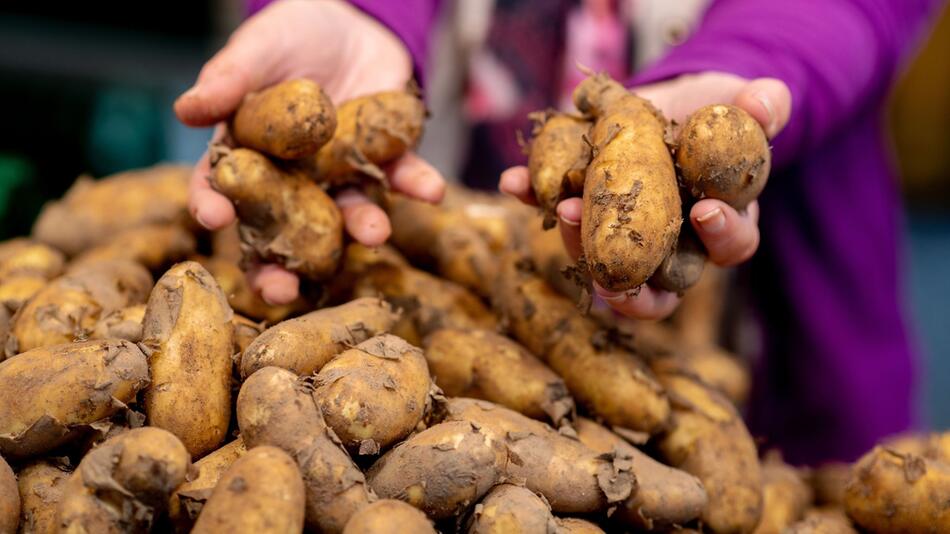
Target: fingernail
[190, 93]
[767, 104]
[201, 220]
[712, 222]
[567, 222]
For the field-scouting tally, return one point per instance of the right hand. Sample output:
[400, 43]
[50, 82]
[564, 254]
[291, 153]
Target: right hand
[346, 52]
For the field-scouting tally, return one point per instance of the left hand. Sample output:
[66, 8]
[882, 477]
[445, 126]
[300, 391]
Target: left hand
[730, 236]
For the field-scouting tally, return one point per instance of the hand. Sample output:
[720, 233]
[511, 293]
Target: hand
[339, 47]
[730, 236]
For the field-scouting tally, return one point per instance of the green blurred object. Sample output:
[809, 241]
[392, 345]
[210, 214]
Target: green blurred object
[125, 130]
[14, 171]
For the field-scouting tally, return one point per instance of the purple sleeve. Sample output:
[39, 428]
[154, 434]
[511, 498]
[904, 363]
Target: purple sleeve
[835, 55]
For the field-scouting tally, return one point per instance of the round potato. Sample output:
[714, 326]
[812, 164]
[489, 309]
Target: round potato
[509, 508]
[389, 516]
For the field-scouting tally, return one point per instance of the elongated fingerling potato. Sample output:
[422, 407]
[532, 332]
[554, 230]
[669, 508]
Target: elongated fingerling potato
[189, 498]
[558, 158]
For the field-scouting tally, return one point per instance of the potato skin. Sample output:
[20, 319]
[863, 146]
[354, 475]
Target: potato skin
[511, 509]
[708, 439]
[52, 393]
[153, 245]
[305, 344]
[275, 407]
[484, 365]
[632, 211]
[823, 521]
[245, 332]
[284, 217]
[722, 153]
[290, 120]
[22, 256]
[93, 211]
[186, 502]
[610, 382]
[665, 496]
[9, 499]
[389, 516]
[41, 489]
[189, 335]
[683, 266]
[557, 160]
[124, 483]
[786, 496]
[890, 491]
[374, 394]
[124, 323]
[261, 493]
[69, 307]
[572, 525]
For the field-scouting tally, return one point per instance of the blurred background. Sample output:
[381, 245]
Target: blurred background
[89, 88]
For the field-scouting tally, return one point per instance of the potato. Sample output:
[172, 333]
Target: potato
[51, 394]
[69, 307]
[558, 156]
[699, 317]
[610, 382]
[4, 328]
[442, 470]
[786, 496]
[123, 484]
[572, 525]
[93, 211]
[632, 212]
[242, 297]
[375, 393]
[823, 521]
[708, 439]
[485, 365]
[722, 153]
[427, 302]
[665, 496]
[572, 477]
[188, 499]
[893, 491]
[153, 245]
[9, 499]
[189, 336]
[124, 323]
[15, 290]
[371, 131]
[828, 482]
[683, 266]
[284, 217]
[41, 489]
[261, 493]
[290, 120]
[22, 256]
[511, 509]
[275, 407]
[389, 516]
[547, 252]
[245, 332]
[305, 344]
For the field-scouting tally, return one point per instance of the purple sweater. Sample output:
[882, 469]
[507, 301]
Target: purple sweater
[826, 282]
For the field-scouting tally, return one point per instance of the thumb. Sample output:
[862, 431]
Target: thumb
[769, 101]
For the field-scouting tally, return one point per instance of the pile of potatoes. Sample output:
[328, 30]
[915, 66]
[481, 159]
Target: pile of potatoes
[444, 383]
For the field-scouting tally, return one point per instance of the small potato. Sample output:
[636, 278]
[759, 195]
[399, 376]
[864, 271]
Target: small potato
[122, 485]
[261, 493]
[891, 491]
[22, 256]
[275, 407]
[559, 155]
[511, 509]
[371, 131]
[188, 499]
[9, 499]
[442, 470]
[305, 344]
[153, 245]
[245, 332]
[16, 289]
[786, 496]
[484, 365]
[41, 489]
[93, 211]
[284, 217]
[665, 496]
[49, 395]
[374, 394]
[572, 525]
[389, 517]
[722, 153]
[125, 323]
[69, 307]
[823, 521]
[241, 296]
[189, 336]
[290, 120]
[683, 267]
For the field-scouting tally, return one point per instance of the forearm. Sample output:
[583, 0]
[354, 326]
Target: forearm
[836, 56]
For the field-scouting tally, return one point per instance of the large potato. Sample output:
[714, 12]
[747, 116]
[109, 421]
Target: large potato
[189, 498]
[93, 211]
[511, 509]
[9, 499]
[375, 393]
[49, 395]
[189, 335]
[275, 407]
[484, 365]
[41, 489]
[69, 307]
[124, 484]
[261, 493]
[305, 344]
[389, 516]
